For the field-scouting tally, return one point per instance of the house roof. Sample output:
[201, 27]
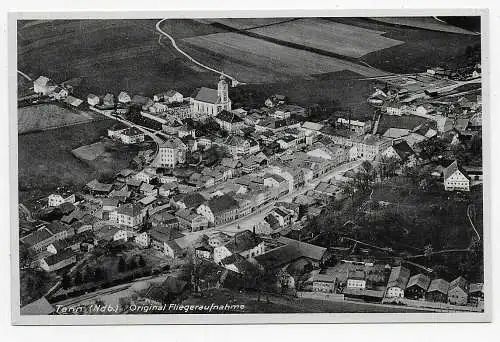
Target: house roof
[312, 126]
[307, 250]
[42, 81]
[478, 287]
[36, 237]
[325, 278]
[395, 133]
[242, 264]
[399, 277]
[56, 227]
[207, 95]
[450, 169]
[359, 275]
[243, 241]
[40, 306]
[132, 131]
[228, 117]
[461, 283]
[403, 150]
[279, 257]
[420, 280]
[439, 285]
[56, 258]
[140, 100]
[95, 185]
[130, 209]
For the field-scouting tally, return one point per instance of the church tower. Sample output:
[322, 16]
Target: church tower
[223, 94]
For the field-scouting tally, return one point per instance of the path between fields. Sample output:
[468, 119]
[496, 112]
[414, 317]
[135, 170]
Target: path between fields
[234, 81]
[24, 75]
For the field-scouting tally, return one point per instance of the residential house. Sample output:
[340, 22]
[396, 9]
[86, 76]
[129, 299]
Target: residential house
[204, 252]
[455, 178]
[38, 240]
[58, 199]
[229, 121]
[371, 146]
[123, 97]
[171, 153]
[476, 293]
[316, 255]
[57, 261]
[357, 126]
[245, 243]
[219, 210]
[438, 291]
[43, 85]
[417, 286]
[60, 230]
[164, 218]
[161, 237]
[323, 283]
[93, 100]
[402, 152]
[398, 280]
[191, 220]
[108, 100]
[458, 291]
[356, 279]
[143, 239]
[130, 215]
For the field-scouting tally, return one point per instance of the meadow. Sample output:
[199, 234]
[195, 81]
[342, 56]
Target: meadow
[346, 40]
[44, 116]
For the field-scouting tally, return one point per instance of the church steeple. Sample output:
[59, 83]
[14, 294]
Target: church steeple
[223, 93]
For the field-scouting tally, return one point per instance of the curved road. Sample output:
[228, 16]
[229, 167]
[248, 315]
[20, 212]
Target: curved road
[234, 81]
[24, 75]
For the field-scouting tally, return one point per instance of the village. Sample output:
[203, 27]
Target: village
[225, 198]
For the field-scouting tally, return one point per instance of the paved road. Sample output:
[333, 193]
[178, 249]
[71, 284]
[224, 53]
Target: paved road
[234, 81]
[147, 131]
[247, 222]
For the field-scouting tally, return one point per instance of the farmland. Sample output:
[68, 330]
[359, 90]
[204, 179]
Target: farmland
[281, 59]
[46, 160]
[246, 23]
[426, 23]
[44, 116]
[330, 36]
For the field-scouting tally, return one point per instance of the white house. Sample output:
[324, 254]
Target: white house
[323, 283]
[245, 243]
[455, 178]
[58, 199]
[130, 215]
[356, 280]
[123, 234]
[142, 239]
[397, 282]
[43, 85]
[123, 97]
[93, 100]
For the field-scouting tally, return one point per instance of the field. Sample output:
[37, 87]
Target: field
[44, 116]
[426, 23]
[245, 23]
[346, 40]
[274, 57]
[422, 48]
[110, 55]
[46, 160]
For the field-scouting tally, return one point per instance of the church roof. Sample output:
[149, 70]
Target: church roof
[207, 95]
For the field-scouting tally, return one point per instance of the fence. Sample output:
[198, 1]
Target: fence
[321, 296]
[432, 305]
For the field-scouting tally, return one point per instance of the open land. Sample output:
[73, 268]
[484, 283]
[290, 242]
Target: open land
[335, 37]
[45, 116]
[46, 160]
[426, 23]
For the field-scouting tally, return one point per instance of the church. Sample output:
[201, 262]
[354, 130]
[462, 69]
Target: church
[212, 101]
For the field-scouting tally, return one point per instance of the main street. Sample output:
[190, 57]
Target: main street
[249, 221]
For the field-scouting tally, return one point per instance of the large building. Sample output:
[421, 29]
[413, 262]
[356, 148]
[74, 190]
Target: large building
[212, 101]
[455, 178]
[171, 153]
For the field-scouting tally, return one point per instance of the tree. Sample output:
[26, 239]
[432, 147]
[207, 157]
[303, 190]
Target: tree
[66, 281]
[122, 266]
[132, 265]
[142, 262]
[87, 274]
[98, 274]
[77, 278]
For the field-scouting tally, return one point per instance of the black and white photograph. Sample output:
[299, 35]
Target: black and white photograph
[249, 169]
